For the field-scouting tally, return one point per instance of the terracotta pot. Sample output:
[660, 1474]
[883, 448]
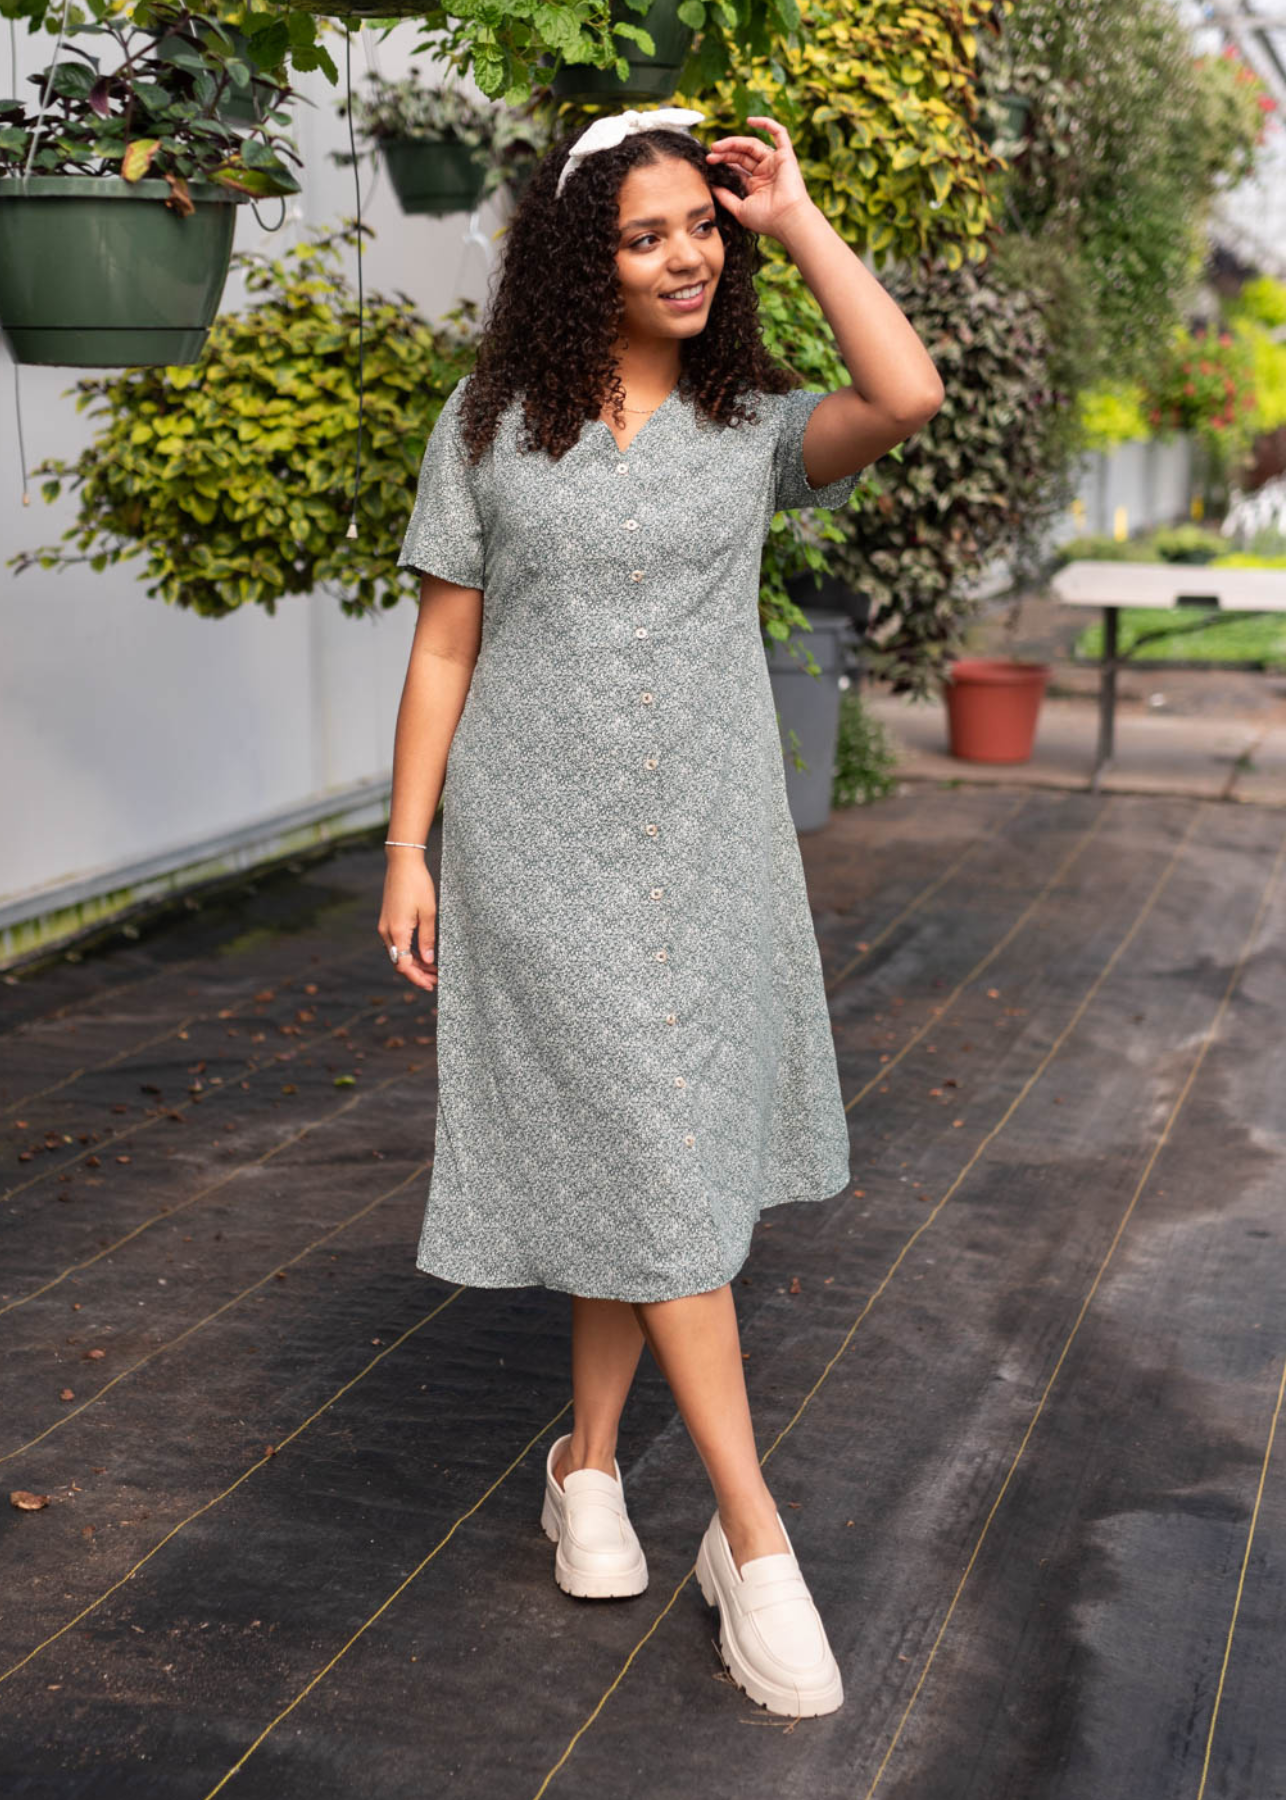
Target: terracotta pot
[992, 708]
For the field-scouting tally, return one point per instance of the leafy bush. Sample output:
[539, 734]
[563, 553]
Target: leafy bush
[232, 477]
[156, 113]
[1186, 634]
[1128, 139]
[1171, 543]
[881, 105]
[983, 478]
[1203, 382]
[1113, 414]
[865, 759]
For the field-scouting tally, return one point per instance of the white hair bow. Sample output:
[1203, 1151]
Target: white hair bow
[615, 127]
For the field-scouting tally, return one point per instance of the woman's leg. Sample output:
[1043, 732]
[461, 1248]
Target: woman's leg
[698, 1348]
[606, 1346]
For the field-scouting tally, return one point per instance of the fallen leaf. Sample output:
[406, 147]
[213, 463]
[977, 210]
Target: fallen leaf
[66, 1394]
[26, 1502]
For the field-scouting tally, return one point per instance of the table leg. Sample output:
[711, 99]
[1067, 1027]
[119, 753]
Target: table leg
[1106, 698]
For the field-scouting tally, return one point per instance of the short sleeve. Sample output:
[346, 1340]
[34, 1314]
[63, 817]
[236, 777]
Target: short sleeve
[791, 484]
[445, 533]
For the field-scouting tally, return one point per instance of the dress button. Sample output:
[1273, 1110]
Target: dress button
[679, 1081]
[670, 1018]
[649, 762]
[661, 955]
[631, 524]
[657, 892]
[640, 631]
[646, 699]
[689, 1139]
[636, 574]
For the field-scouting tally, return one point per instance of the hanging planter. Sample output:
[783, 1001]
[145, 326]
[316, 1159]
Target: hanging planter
[118, 195]
[445, 152]
[992, 708]
[437, 177]
[361, 9]
[650, 78]
[147, 282]
[1010, 112]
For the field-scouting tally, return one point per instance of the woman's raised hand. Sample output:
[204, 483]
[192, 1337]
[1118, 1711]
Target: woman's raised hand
[775, 189]
[410, 909]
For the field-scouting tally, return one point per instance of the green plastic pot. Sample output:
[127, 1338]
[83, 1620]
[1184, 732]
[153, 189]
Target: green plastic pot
[1012, 125]
[651, 77]
[361, 9]
[97, 272]
[434, 175]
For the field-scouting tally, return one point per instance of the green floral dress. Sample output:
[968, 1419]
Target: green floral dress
[634, 1051]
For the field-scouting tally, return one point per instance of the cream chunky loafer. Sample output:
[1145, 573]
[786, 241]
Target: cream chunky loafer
[599, 1557]
[771, 1636]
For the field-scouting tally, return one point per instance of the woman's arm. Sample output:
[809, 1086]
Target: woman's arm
[896, 387]
[448, 632]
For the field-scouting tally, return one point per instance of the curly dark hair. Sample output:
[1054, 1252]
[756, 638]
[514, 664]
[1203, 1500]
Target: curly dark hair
[557, 308]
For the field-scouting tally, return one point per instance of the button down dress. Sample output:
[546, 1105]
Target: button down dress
[634, 1051]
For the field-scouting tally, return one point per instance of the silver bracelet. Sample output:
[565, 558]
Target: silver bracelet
[399, 844]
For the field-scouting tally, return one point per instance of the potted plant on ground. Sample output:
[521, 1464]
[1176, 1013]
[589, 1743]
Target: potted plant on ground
[130, 176]
[444, 151]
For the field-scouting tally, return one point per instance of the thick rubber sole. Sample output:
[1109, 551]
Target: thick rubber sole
[581, 1584]
[786, 1701]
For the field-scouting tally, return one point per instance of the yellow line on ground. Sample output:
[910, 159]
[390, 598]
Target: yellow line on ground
[915, 1236]
[171, 1343]
[940, 1012]
[1157, 1148]
[172, 1212]
[927, 892]
[1241, 1582]
[385, 1604]
[232, 1488]
[231, 1086]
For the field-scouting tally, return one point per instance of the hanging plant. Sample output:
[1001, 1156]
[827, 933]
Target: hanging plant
[657, 38]
[132, 172]
[444, 152]
[232, 480]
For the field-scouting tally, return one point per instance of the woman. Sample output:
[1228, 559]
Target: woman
[634, 1050]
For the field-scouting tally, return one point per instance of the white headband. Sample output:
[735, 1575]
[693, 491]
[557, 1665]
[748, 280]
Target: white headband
[615, 127]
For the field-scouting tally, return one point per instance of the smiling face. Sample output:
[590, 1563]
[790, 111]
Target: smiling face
[668, 241]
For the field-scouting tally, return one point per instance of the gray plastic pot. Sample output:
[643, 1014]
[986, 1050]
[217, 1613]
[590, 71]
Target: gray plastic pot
[809, 704]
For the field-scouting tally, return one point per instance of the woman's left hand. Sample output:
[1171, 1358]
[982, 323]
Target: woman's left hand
[775, 190]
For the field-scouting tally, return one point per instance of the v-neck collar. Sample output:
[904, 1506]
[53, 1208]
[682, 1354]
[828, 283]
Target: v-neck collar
[652, 417]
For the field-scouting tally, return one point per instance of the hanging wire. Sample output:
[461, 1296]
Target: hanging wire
[17, 381]
[361, 298]
[31, 151]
